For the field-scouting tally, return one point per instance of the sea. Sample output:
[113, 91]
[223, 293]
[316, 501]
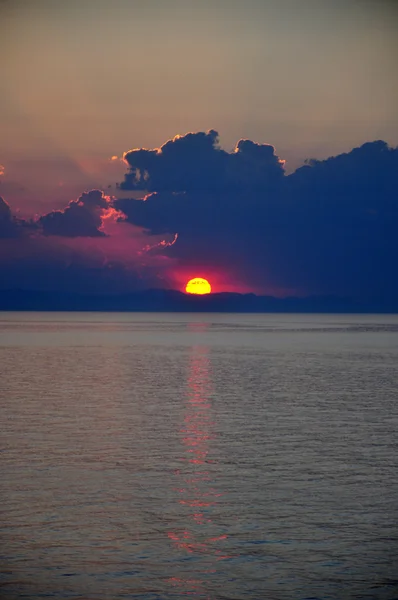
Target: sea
[167, 456]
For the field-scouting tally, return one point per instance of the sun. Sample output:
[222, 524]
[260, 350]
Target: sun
[198, 286]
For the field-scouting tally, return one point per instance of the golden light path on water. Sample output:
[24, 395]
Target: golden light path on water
[201, 538]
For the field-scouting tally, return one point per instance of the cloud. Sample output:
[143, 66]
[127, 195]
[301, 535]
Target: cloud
[7, 224]
[10, 225]
[81, 218]
[233, 217]
[330, 227]
[108, 265]
[87, 247]
[195, 163]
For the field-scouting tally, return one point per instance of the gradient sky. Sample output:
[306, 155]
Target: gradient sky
[83, 80]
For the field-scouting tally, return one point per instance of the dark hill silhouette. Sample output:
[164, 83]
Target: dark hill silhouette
[160, 300]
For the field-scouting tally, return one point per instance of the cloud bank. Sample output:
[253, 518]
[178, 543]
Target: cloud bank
[195, 163]
[87, 247]
[328, 228]
[235, 217]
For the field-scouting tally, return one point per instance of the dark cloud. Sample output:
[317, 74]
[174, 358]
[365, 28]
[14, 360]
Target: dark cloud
[10, 225]
[76, 265]
[7, 225]
[86, 248]
[195, 163]
[81, 218]
[341, 218]
[330, 227]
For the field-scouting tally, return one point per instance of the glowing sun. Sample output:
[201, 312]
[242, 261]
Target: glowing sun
[198, 286]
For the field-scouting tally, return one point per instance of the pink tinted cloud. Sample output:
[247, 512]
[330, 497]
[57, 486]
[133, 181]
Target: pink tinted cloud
[120, 258]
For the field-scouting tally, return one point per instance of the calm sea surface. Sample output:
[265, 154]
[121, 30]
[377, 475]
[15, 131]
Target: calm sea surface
[218, 456]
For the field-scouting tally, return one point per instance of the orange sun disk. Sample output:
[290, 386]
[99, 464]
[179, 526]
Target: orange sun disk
[198, 286]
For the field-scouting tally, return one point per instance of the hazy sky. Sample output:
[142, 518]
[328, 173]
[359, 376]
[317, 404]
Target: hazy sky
[83, 80]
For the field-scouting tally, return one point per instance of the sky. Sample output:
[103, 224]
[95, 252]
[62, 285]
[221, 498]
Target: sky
[84, 82]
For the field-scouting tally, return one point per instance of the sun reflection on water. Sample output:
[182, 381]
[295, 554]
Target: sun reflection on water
[200, 537]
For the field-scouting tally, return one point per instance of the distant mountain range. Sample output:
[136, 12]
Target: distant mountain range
[159, 300]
